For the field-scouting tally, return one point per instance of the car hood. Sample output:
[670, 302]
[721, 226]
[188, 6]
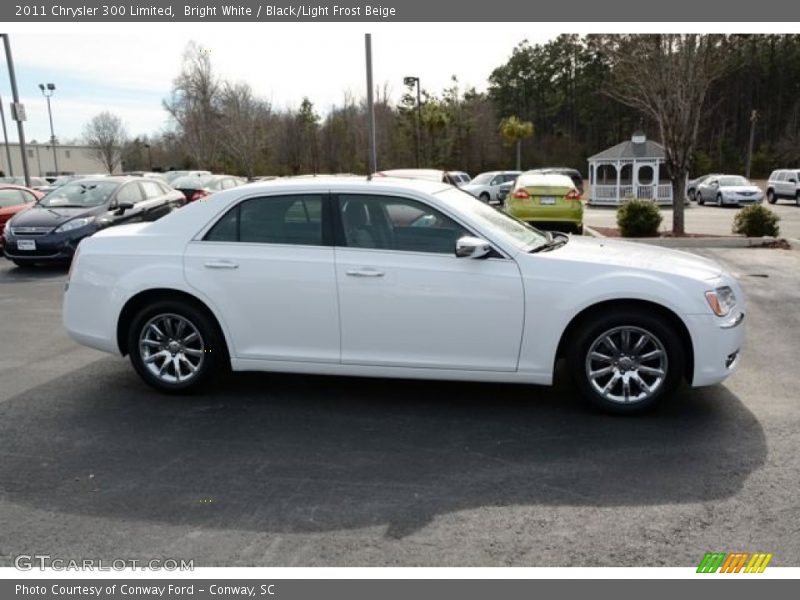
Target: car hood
[740, 188]
[39, 216]
[474, 187]
[636, 255]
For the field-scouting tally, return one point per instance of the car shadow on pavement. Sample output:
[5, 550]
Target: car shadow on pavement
[291, 453]
[10, 273]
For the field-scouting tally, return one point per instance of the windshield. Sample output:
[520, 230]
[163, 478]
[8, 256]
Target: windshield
[483, 178]
[522, 233]
[733, 180]
[81, 194]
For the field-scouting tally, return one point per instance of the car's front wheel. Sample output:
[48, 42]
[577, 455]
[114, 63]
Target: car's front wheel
[174, 346]
[484, 197]
[626, 362]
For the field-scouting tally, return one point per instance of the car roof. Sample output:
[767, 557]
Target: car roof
[545, 179]
[106, 179]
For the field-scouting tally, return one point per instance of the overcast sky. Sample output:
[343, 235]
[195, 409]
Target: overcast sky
[130, 69]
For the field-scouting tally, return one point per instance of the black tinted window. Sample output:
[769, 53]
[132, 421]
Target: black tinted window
[272, 220]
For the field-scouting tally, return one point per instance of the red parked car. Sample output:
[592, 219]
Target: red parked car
[14, 199]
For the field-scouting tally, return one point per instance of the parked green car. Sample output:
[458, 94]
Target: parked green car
[546, 200]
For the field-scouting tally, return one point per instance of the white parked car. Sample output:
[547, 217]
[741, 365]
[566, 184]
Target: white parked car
[486, 186]
[728, 190]
[398, 278]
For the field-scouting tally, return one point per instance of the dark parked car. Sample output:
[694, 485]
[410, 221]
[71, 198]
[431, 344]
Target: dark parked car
[14, 199]
[195, 187]
[51, 230]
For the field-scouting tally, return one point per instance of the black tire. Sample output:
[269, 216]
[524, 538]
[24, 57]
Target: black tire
[484, 197]
[578, 230]
[797, 198]
[700, 201]
[719, 200]
[592, 328]
[214, 355]
[691, 194]
[771, 197]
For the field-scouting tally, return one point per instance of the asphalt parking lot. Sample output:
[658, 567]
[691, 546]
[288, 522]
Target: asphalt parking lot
[280, 470]
[712, 220]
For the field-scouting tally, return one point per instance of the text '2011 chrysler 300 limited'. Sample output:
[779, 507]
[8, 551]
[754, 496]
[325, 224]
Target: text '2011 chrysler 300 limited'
[398, 278]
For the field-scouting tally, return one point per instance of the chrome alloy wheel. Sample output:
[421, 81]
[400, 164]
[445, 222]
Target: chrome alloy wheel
[626, 364]
[171, 348]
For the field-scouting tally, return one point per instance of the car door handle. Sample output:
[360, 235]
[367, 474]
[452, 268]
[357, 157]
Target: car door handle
[365, 273]
[221, 264]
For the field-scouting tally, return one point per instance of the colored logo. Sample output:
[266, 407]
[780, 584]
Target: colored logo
[737, 562]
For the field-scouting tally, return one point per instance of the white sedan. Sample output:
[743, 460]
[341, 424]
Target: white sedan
[398, 278]
[725, 190]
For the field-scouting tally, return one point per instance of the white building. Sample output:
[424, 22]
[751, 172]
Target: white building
[72, 160]
[631, 169]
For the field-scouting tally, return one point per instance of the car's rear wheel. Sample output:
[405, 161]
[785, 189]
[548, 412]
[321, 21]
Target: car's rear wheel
[771, 197]
[174, 346]
[797, 198]
[578, 230]
[626, 362]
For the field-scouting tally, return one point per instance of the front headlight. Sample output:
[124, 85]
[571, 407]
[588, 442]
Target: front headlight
[74, 224]
[721, 300]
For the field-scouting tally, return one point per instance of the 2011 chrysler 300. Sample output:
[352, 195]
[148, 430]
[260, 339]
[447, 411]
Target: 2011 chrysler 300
[398, 278]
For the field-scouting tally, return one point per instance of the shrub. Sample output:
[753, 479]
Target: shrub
[756, 221]
[638, 218]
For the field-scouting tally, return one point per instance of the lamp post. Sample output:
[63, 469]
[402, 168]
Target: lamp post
[47, 91]
[412, 81]
[149, 156]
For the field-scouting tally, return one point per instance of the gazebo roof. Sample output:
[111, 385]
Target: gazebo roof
[637, 147]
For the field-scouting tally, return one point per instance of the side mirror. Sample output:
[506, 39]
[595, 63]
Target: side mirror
[792, 180]
[472, 247]
[715, 183]
[123, 206]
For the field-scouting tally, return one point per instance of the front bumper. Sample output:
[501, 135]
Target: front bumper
[50, 247]
[717, 345]
[742, 200]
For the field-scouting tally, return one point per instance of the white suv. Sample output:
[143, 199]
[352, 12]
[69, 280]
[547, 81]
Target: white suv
[783, 183]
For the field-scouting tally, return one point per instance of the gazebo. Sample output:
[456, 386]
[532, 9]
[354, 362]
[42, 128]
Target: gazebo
[630, 169]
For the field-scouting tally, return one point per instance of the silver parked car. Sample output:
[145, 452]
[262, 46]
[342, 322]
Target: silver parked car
[485, 187]
[784, 183]
[729, 190]
[691, 185]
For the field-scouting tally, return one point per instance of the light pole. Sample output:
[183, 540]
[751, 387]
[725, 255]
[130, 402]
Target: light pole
[5, 139]
[411, 81]
[149, 156]
[17, 109]
[47, 91]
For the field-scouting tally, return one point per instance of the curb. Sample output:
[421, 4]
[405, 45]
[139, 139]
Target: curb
[704, 242]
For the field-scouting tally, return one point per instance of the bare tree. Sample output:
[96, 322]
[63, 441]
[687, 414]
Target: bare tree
[106, 136]
[193, 106]
[667, 77]
[244, 126]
